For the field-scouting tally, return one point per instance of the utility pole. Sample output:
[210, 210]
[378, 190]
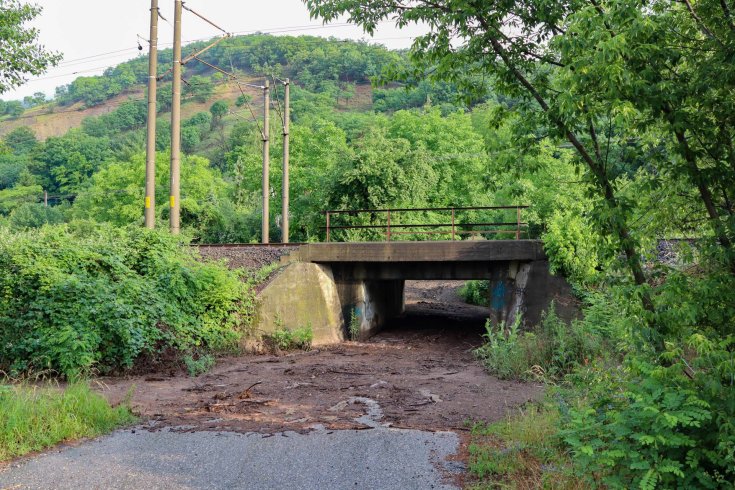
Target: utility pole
[45, 198]
[266, 162]
[286, 137]
[150, 160]
[175, 193]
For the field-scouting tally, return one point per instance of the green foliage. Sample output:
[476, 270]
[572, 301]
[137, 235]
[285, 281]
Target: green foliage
[35, 215]
[286, 339]
[33, 418]
[19, 195]
[199, 88]
[21, 140]
[654, 427]
[198, 364]
[522, 451]
[476, 293]
[20, 53]
[353, 329]
[550, 352]
[98, 298]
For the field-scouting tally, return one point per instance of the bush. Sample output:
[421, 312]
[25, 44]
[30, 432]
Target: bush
[653, 426]
[198, 364]
[74, 300]
[476, 293]
[551, 352]
[285, 339]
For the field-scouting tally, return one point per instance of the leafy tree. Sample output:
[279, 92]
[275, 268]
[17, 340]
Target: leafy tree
[199, 88]
[35, 215]
[218, 110]
[12, 198]
[515, 61]
[21, 140]
[14, 109]
[20, 53]
[65, 163]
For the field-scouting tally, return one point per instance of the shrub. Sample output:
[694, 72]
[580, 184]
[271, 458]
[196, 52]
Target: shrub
[77, 298]
[285, 339]
[654, 426]
[198, 364]
[476, 293]
[551, 352]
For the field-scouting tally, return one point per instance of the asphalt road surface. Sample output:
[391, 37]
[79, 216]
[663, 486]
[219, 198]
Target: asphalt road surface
[376, 458]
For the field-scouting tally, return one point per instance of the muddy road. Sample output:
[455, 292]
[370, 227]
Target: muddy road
[419, 371]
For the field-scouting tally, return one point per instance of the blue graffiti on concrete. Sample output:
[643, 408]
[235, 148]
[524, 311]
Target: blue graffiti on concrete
[498, 297]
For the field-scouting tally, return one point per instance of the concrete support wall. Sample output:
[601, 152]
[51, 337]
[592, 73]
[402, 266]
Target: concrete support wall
[527, 289]
[303, 295]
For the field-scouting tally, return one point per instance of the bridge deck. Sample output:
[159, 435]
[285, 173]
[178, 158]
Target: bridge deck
[428, 251]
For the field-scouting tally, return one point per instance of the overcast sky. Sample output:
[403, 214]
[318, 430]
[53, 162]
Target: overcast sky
[85, 31]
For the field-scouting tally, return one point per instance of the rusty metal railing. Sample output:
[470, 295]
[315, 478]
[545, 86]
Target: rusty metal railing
[454, 228]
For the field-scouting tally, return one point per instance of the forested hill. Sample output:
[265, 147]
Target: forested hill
[340, 69]
[408, 143]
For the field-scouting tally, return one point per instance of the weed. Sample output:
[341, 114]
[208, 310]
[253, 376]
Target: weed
[285, 339]
[521, 451]
[198, 364]
[549, 353]
[354, 327]
[33, 418]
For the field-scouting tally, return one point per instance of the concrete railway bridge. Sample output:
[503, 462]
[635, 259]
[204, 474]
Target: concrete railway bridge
[328, 286]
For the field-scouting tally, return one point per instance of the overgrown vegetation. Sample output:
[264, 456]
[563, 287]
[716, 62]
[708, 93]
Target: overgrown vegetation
[613, 120]
[476, 293]
[33, 418]
[81, 298]
[548, 352]
[521, 451]
[284, 339]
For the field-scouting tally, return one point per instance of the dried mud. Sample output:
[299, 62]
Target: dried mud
[419, 371]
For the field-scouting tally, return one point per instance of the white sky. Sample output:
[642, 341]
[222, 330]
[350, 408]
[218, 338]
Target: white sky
[88, 28]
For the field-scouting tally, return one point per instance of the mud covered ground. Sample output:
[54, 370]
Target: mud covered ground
[419, 372]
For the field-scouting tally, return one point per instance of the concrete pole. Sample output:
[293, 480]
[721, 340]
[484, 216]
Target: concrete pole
[286, 178]
[175, 194]
[266, 162]
[150, 161]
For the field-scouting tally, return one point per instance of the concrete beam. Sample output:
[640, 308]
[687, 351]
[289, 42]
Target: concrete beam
[430, 251]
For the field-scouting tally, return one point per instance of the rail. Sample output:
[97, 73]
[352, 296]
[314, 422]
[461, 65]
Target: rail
[454, 228]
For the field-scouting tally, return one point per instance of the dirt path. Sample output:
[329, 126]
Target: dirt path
[419, 371]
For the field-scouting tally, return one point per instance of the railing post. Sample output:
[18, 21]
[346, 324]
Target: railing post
[518, 220]
[453, 234]
[328, 226]
[387, 233]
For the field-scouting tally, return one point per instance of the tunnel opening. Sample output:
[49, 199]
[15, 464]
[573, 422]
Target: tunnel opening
[435, 310]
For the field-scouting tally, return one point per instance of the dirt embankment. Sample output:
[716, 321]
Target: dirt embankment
[420, 371]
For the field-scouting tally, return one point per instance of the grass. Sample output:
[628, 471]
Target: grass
[35, 418]
[521, 452]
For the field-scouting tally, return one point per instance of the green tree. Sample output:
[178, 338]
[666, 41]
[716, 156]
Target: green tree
[20, 53]
[21, 140]
[218, 110]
